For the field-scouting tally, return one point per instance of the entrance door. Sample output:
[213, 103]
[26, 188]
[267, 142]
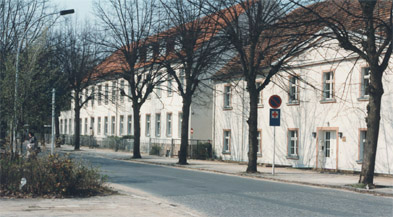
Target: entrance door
[327, 150]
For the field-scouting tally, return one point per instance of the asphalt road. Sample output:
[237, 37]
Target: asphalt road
[223, 195]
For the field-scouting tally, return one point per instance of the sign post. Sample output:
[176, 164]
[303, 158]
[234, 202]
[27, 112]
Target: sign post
[274, 117]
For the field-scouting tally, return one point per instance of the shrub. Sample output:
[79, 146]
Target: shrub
[53, 176]
[155, 150]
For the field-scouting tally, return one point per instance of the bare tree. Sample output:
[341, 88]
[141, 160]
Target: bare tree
[131, 29]
[194, 53]
[365, 28]
[79, 58]
[264, 37]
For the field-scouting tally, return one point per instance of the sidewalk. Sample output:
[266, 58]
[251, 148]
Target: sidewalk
[291, 175]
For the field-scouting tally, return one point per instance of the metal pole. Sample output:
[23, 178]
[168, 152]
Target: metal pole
[274, 148]
[52, 147]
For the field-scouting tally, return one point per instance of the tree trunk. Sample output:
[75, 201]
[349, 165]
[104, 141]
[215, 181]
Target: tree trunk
[77, 123]
[137, 131]
[373, 120]
[184, 130]
[253, 130]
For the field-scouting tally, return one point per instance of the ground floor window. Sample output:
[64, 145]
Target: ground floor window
[362, 142]
[227, 141]
[293, 142]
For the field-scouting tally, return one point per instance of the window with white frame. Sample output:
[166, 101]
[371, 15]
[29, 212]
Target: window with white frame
[121, 89]
[99, 126]
[158, 125]
[227, 96]
[106, 96]
[121, 125]
[328, 86]
[362, 143]
[147, 127]
[129, 124]
[92, 126]
[227, 141]
[293, 93]
[293, 142]
[70, 128]
[169, 124]
[365, 83]
[99, 95]
[180, 123]
[169, 88]
[65, 126]
[92, 96]
[113, 91]
[106, 126]
[113, 126]
[86, 126]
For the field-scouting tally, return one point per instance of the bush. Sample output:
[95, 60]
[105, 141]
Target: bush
[155, 150]
[53, 176]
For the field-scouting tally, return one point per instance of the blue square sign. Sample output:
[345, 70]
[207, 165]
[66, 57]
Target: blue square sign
[274, 117]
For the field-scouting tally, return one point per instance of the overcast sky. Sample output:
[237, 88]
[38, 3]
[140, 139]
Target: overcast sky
[83, 8]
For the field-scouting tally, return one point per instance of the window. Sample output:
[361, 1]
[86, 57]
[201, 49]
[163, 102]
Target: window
[65, 126]
[158, 125]
[129, 93]
[158, 91]
[61, 125]
[99, 94]
[121, 125]
[182, 78]
[293, 143]
[328, 86]
[365, 83]
[99, 126]
[113, 126]
[259, 138]
[260, 96]
[227, 141]
[85, 126]
[293, 93]
[227, 96]
[169, 90]
[106, 126]
[147, 130]
[70, 128]
[180, 123]
[86, 96]
[113, 91]
[106, 94]
[92, 96]
[80, 126]
[362, 143]
[169, 124]
[327, 144]
[129, 124]
[121, 89]
[92, 126]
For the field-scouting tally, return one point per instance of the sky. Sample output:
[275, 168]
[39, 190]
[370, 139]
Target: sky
[83, 8]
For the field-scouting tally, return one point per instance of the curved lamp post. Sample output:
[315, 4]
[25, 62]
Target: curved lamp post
[14, 124]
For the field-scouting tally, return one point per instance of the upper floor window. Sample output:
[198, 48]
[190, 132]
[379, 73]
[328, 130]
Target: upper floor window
[260, 95]
[106, 96]
[293, 93]
[121, 89]
[227, 96]
[99, 96]
[365, 83]
[328, 86]
[92, 96]
[169, 88]
[113, 91]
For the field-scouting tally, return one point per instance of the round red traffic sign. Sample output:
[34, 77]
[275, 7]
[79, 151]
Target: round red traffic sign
[275, 101]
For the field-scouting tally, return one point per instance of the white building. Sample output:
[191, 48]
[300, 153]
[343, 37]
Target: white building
[322, 115]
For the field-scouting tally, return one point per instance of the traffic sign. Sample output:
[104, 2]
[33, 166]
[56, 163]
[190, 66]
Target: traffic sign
[275, 101]
[274, 117]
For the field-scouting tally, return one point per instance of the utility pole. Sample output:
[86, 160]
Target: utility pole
[52, 147]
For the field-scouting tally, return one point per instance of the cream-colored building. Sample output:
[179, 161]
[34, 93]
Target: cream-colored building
[324, 99]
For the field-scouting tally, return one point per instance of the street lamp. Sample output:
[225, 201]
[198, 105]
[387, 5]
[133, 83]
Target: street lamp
[14, 124]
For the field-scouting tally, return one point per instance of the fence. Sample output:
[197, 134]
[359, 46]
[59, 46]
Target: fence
[197, 149]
